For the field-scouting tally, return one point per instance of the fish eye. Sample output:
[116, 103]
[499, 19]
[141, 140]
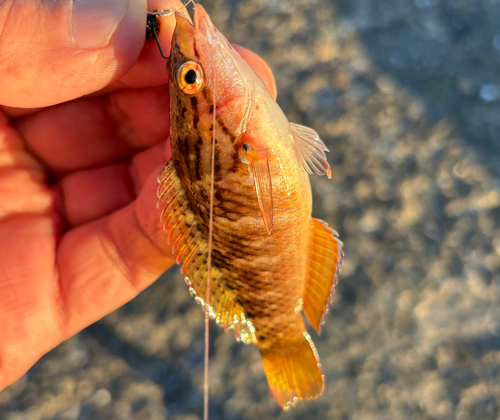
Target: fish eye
[189, 77]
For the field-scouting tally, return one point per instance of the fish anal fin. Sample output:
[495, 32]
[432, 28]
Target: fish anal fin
[310, 150]
[259, 164]
[191, 249]
[325, 258]
[293, 371]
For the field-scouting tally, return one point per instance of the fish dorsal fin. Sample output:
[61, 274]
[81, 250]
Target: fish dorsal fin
[259, 165]
[310, 150]
[190, 248]
[325, 258]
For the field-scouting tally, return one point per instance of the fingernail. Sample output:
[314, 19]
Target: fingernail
[95, 21]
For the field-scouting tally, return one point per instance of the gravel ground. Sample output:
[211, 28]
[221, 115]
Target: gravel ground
[406, 94]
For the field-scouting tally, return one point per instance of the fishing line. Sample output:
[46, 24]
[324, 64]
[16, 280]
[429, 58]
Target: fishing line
[168, 12]
[209, 257]
[152, 31]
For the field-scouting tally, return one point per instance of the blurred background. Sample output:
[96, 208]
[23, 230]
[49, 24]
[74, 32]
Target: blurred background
[406, 95]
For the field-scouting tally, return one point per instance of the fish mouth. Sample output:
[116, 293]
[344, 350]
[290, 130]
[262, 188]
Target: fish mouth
[202, 22]
[184, 22]
[201, 18]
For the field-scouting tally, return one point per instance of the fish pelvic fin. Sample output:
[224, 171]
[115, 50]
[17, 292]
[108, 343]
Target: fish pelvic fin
[310, 150]
[325, 259]
[259, 165]
[293, 371]
[191, 250]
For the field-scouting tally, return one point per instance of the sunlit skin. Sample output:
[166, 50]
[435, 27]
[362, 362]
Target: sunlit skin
[80, 233]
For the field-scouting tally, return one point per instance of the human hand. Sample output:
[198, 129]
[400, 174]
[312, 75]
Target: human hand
[80, 233]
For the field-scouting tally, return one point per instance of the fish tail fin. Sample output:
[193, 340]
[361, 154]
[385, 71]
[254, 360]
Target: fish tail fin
[293, 371]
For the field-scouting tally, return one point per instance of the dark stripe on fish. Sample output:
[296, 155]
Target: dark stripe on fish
[236, 161]
[224, 262]
[193, 164]
[229, 208]
[196, 118]
[217, 166]
[230, 205]
[194, 104]
[197, 148]
[234, 250]
[222, 194]
[207, 96]
[226, 130]
[183, 147]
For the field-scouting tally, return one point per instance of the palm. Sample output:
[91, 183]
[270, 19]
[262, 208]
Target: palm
[79, 229]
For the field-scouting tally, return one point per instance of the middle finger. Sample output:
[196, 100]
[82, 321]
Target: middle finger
[91, 132]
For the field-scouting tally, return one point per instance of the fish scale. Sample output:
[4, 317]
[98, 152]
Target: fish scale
[270, 259]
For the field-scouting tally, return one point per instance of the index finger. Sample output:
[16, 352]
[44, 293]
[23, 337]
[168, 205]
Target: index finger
[78, 135]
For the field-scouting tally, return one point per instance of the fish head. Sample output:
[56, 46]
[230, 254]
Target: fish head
[206, 70]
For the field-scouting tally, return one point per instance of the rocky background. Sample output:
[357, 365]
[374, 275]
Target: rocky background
[406, 94]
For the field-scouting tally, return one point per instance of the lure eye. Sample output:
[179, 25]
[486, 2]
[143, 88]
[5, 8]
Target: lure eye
[189, 77]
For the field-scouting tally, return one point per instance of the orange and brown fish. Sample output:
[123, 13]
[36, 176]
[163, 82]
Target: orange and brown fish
[271, 260]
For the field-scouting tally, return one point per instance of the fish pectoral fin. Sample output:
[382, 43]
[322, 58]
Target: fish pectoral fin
[191, 249]
[293, 370]
[263, 186]
[325, 258]
[310, 150]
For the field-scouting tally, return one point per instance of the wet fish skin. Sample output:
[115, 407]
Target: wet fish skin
[270, 258]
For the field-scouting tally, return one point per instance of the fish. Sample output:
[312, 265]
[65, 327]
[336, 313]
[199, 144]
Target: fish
[271, 261]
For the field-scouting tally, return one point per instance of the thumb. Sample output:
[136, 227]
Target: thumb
[55, 51]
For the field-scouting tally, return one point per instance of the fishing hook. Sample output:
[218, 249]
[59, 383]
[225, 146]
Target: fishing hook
[153, 24]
